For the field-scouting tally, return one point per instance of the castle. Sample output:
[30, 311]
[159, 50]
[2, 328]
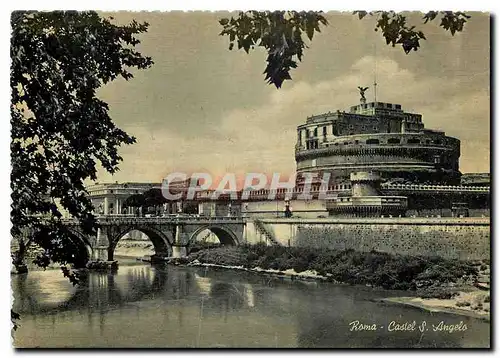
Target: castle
[389, 163]
[378, 137]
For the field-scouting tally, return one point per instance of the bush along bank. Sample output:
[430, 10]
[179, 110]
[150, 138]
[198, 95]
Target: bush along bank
[432, 276]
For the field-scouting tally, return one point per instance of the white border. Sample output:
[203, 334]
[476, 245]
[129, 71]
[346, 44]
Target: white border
[110, 5]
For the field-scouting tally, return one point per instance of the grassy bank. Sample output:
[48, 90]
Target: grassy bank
[430, 275]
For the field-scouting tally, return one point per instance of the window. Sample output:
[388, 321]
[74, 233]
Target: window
[351, 126]
[308, 133]
[389, 105]
[315, 132]
[335, 130]
[324, 131]
[437, 141]
[372, 141]
[413, 141]
[398, 106]
[393, 141]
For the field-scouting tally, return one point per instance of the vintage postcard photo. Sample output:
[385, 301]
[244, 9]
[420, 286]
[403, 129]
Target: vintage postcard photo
[250, 179]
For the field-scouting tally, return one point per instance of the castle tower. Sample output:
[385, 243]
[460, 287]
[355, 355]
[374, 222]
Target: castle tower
[365, 184]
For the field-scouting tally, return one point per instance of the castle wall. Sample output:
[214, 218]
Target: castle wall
[276, 208]
[421, 156]
[467, 238]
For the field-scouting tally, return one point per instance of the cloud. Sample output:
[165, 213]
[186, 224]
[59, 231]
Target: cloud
[262, 137]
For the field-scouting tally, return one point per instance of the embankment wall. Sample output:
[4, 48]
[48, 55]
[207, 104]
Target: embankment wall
[460, 238]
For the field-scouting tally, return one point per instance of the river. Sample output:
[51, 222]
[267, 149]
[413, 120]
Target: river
[142, 306]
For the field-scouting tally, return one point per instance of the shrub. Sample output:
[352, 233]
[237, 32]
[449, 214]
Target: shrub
[375, 268]
[300, 264]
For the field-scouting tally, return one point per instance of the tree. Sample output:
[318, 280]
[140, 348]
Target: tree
[134, 201]
[60, 129]
[154, 198]
[280, 33]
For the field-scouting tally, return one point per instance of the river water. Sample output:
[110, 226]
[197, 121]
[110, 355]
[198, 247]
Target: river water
[142, 306]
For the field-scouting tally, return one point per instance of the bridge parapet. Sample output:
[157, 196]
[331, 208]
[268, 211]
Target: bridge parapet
[127, 219]
[169, 220]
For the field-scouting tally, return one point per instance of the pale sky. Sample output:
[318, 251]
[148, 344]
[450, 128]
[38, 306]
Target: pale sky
[201, 107]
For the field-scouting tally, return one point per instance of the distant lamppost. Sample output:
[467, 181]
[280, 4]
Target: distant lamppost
[288, 211]
[245, 209]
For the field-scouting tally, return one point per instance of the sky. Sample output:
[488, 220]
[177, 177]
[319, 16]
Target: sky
[203, 108]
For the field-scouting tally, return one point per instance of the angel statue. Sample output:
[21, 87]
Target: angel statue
[362, 91]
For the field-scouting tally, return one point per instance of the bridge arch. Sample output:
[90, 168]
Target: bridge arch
[225, 235]
[84, 251]
[162, 240]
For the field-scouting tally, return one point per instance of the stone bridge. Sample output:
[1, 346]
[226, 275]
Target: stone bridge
[171, 236]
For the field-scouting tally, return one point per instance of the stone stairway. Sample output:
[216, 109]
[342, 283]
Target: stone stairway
[268, 234]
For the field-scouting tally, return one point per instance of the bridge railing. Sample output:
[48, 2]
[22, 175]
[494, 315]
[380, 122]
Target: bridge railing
[123, 218]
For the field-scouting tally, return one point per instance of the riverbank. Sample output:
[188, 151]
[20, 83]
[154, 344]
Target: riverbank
[134, 248]
[446, 285]
[474, 304]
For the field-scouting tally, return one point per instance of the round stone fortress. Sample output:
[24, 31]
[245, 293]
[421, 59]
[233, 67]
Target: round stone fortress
[377, 136]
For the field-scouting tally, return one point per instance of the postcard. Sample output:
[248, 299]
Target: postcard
[255, 179]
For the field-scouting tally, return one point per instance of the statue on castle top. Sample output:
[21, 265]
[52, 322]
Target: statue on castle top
[362, 91]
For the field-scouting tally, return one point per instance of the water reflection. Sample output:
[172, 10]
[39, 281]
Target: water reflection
[144, 306]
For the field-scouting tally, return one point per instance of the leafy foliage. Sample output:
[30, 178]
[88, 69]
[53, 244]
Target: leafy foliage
[134, 201]
[150, 198]
[154, 197]
[400, 272]
[14, 317]
[396, 31]
[60, 129]
[280, 33]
